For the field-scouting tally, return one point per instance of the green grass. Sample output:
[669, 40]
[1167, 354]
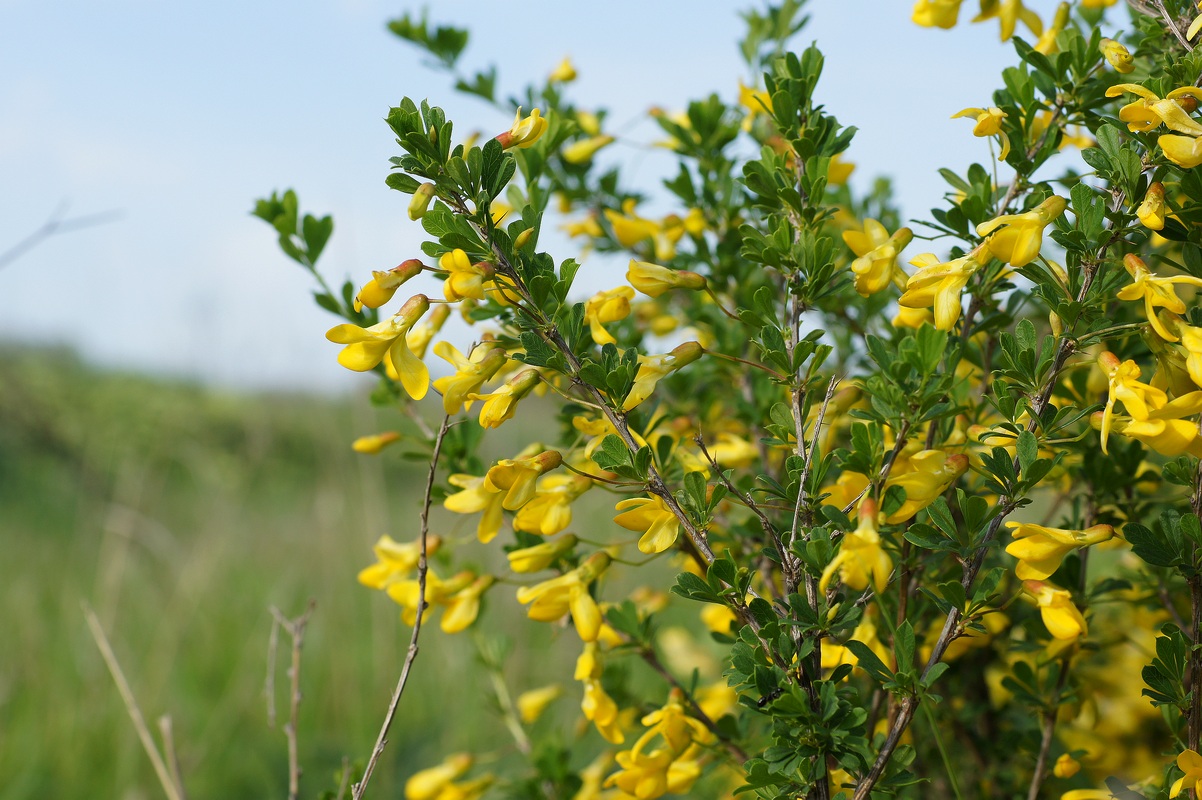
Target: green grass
[181, 514]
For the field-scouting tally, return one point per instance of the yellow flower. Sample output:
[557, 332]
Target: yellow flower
[838, 171]
[464, 605]
[500, 405]
[654, 280]
[1150, 111]
[533, 703]
[1163, 431]
[470, 373]
[602, 711]
[1184, 151]
[717, 618]
[1066, 766]
[394, 561]
[988, 123]
[876, 265]
[524, 132]
[367, 347]
[834, 654]
[653, 369]
[1047, 40]
[468, 790]
[564, 73]
[1194, 27]
[1155, 292]
[550, 511]
[464, 279]
[540, 556]
[428, 783]
[586, 227]
[406, 593]
[592, 776]
[383, 285]
[1151, 211]
[927, 475]
[912, 317]
[733, 452]
[603, 307]
[936, 13]
[1190, 763]
[861, 560]
[517, 477]
[552, 599]
[1040, 549]
[370, 445]
[584, 150]
[1117, 56]
[1125, 387]
[478, 495]
[652, 516]
[629, 228]
[1019, 241]
[1009, 13]
[1062, 619]
[939, 285]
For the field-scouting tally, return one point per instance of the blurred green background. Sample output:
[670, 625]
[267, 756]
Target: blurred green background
[181, 513]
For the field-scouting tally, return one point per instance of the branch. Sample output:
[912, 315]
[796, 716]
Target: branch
[296, 632]
[56, 224]
[423, 568]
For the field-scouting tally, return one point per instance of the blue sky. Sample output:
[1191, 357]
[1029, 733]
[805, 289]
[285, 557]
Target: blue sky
[178, 115]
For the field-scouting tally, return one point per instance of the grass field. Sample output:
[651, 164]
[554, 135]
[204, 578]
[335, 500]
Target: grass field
[181, 514]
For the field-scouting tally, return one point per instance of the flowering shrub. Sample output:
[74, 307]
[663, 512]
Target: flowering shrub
[941, 521]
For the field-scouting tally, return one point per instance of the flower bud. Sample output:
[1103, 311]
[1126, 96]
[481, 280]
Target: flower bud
[370, 445]
[1117, 56]
[1066, 766]
[1056, 323]
[522, 238]
[421, 201]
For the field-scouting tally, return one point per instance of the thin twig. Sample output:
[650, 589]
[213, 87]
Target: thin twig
[1049, 729]
[131, 705]
[344, 782]
[422, 570]
[168, 736]
[273, 643]
[55, 225]
[296, 632]
[1172, 26]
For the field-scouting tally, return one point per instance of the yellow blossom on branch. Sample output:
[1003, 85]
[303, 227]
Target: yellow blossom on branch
[501, 404]
[1040, 549]
[367, 347]
[1117, 56]
[1017, 238]
[370, 445]
[517, 477]
[653, 369]
[1155, 292]
[383, 285]
[1009, 13]
[988, 123]
[927, 475]
[552, 599]
[652, 516]
[861, 560]
[464, 279]
[564, 73]
[1151, 211]
[877, 251]
[936, 13]
[540, 556]
[533, 703]
[1150, 111]
[524, 132]
[1062, 619]
[1190, 763]
[394, 561]
[1046, 43]
[583, 151]
[477, 495]
[608, 306]
[654, 280]
[427, 784]
[939, 284]
[463, 606]
[550, 510]
[470, 373]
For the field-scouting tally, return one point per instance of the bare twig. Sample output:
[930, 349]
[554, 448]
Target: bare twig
[296, 632]
[422, 570]
[168, 736]
[1049, 729]
[131, 705]
[344, 782]
[273, 643]
[1171, 24]
[56, 224]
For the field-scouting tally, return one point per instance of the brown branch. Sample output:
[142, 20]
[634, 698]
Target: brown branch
[296, 632]
[422, 570]
[1049, 729]
[131, 705]
[273, 643]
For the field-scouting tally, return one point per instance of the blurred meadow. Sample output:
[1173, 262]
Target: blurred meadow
[181, 514]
